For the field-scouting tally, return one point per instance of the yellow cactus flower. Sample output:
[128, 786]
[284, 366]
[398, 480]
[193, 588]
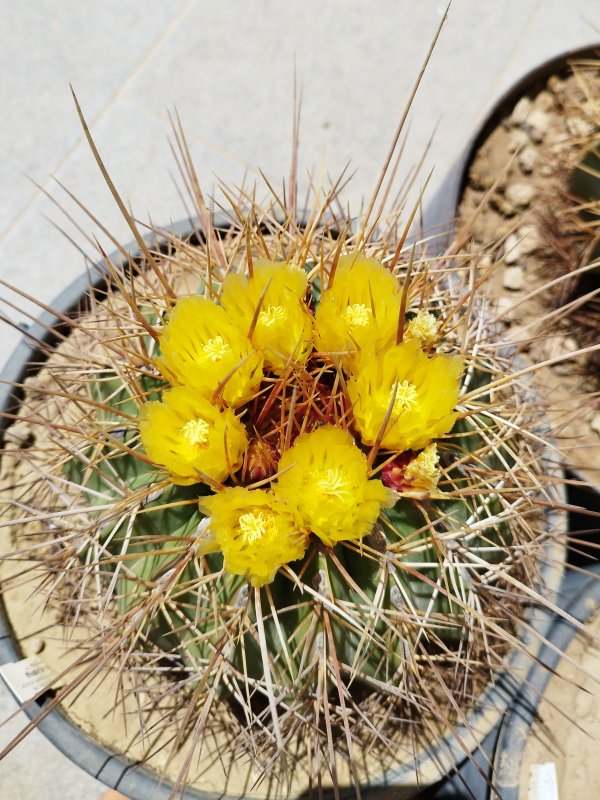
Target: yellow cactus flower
[188, 436]
[423, 393]
[200, 347]
[255, 531]
[413, 475]
[424, 327]
[422, 473]
[359, 311]
[283, 329]
[326, 476]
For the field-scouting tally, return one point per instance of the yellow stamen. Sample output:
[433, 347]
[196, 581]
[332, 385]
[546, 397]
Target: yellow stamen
[406, 397]
[334, 482]
[272, 315]
[215, 349]
[423, 327]
[424, 467]
[196, 431]
[255, 525]
[358, 315]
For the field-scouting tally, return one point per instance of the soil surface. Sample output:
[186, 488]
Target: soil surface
[523, 168]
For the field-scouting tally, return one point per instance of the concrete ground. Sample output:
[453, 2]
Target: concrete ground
[228, 68]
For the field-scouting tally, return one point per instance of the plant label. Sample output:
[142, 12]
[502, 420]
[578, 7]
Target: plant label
[27, 677]
[542, 782]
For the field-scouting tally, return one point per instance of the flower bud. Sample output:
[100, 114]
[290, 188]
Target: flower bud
[262, 459]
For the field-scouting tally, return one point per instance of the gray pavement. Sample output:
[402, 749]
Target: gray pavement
[228, 68]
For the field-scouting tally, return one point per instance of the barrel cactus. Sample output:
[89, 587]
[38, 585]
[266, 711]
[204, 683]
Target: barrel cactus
[292, 483]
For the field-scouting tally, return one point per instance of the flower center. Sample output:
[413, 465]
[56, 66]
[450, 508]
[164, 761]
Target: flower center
[358, 315]
[424, 327]
[406, 397]
[424, 467]
[216, 348]
[272, 315]
[333, 482]
[196, 431]
[255, 525]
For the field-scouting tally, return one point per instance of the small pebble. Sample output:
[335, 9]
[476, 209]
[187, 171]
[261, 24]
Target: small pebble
[503, 206]
[563, 368]
[513, 278]
[544, 101]
[520, 195]
[529, 239]
[511, 249]
[570, 344]
[36, 646]
[478, 180]
[517, 140]
[528, 159]
[537, 125]
[520, 111]
[556, 84]
[546, 170]
[579, 127]
[520, 244]
[595, 424]
[559, 347]
[507, 311]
